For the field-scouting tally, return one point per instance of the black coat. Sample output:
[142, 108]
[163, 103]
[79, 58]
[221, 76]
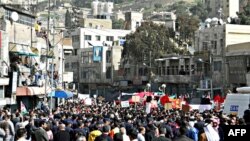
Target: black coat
[62, 136]
[161, 138]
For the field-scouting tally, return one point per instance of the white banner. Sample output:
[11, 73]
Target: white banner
[201, 108]
[127, 93]
[83, 96]
[88, 101]
[124, 104]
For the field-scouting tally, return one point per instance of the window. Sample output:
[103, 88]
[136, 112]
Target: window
[74, 64]
[75, 52]
[221, 43]
[205, 46]
[108, 73]
[141, 71]
[87, 37]
[127, 71]
[67, 65]
[215, 36]
[168, 70]
[108, 56]
[192, 69]
[1, 92]
[98, 38]
[85, 57]
[214, 45]
[137, 24]
[217, 66]
[84, 74]
[110, 38]
[90, 24]
[75, 38]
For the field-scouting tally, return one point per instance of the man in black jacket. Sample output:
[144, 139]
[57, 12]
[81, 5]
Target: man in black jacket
[162, 136]
[247, 115]
[62, 135]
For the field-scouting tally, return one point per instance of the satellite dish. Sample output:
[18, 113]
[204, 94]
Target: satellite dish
[229, 19]
[214, 19]
[221, 22]
[14, 16]
[207, 26]
[208, 20]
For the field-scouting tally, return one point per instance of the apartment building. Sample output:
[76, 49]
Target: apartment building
[88, 70]
[222, 8]
[211, 45]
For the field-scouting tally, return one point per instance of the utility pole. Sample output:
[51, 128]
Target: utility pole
[112, 68]
[150, 68]
[47, 50]
[211, 74]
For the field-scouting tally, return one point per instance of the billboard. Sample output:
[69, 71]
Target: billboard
[97, 53]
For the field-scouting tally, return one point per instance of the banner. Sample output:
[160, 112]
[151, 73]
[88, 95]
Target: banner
[124, 104]
[23, 108]
[97, 53]
[135, 98]
[168, 106]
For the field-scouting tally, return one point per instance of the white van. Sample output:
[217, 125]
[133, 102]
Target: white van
[237, 103]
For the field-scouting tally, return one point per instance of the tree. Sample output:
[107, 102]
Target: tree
[186, 26]
[118, 24]
[199, 10]
[149, 37]
[158, 5]
[180, 7]
[244, 17]
[68, 22]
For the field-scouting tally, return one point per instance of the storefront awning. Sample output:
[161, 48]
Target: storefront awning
[23, 49]
[31, 91]
[19, 49]
[33, 51]
[50, 53]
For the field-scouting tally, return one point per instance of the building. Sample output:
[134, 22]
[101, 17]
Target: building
[26, 50]
[223, 8]
[14, 24]
[165, 18]
[102, 10]
[133, 20]
[82, 63]
[119, 15]
[238, 63]
[211, 45]
[96, 23]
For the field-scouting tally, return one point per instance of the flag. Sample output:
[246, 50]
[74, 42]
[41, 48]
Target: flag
[23, 109]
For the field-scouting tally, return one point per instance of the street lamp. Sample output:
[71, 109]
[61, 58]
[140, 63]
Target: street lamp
[164, 87]
[148, 86]
[211, 73]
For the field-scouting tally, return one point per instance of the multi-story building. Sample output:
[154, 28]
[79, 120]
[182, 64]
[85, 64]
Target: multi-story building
[26, 50]
[166, 18]
[84, 41]
[223, 8]
[96, 23]
[238, 63]
[211, 45]
[133, 20]
[14, 24]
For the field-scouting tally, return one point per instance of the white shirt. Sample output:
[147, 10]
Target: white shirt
[140, 137]
[125, 137]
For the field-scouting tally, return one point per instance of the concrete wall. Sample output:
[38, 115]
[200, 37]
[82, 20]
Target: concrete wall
[97, 23]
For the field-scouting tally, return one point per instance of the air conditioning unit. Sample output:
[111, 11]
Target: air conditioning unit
[3, 70]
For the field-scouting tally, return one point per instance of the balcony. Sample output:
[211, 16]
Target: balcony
[174, 78]
[4, 81]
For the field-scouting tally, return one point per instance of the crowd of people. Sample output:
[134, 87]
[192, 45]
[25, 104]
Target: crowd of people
[74, 121]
